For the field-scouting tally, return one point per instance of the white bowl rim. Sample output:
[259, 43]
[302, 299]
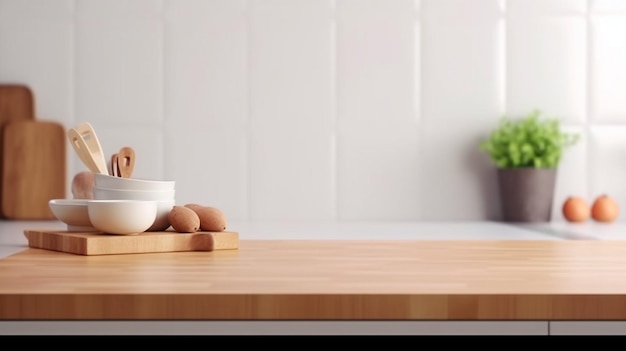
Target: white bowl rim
[71, 211]
[69, 202]
[113, 190]
[131, 180]
[90, 201]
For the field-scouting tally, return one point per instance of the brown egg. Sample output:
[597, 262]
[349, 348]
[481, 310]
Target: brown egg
[193, 206]
[604, 209]
[184, 220]
[576, 209]
[211, 219]
[82, 185]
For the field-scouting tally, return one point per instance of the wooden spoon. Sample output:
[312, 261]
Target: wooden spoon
[125, 162]
[114, 168]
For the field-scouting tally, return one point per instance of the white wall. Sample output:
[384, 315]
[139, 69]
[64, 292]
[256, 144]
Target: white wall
[328, 110]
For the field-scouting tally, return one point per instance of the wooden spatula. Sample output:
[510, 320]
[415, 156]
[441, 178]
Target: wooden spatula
[86, 144]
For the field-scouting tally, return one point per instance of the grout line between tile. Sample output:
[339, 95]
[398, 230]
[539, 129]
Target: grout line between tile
[589, 104]
[163, 107]
[418, 84]
[417, 72]
[72, 103]
[503, 35]
[248, 113]
[334, 133]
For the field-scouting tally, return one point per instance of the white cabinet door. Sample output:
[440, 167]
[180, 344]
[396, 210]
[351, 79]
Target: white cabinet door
[272, 328]
[588, 328]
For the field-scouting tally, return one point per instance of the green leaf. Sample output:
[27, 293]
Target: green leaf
[527, 142]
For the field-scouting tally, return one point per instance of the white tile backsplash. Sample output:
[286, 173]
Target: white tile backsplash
[460, 59]
[205, 65]
[292, 175]
[38, 8]
[119, 71]
[379, 175]
[606, 163]
[290, 64]
[117, 8]
[608, 6]
[331, 109]
[373, 88]
[545, 7]
[609, 76]
[456, 178]
[547, 66]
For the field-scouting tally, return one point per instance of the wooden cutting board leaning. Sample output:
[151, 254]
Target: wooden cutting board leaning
[33, 168]
[16, 104]
[97, 243]
[33, 157]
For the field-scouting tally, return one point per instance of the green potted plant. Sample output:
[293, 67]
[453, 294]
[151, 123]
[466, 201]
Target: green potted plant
[527, 153]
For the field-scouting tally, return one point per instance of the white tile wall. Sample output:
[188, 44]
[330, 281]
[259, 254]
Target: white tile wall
[546, 67]
[460, 62]
[332, 109]
[608, 79]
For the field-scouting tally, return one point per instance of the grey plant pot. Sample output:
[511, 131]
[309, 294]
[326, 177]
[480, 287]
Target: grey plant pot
[526, 194]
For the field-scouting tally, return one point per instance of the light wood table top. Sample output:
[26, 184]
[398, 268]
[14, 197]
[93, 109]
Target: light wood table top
[329, 280]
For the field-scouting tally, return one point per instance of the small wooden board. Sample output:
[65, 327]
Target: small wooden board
[33, 168]
[98, 243]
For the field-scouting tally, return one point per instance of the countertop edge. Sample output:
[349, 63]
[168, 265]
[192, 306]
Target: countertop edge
[277, 307]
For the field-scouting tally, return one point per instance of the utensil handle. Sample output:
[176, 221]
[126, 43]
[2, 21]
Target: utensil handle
[114, 169]
[87, 133]
[126, 162]
[79, 145]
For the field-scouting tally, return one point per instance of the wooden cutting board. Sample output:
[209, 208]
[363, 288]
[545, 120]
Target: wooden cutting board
[16, 104]
[33, 168]
[97, 243]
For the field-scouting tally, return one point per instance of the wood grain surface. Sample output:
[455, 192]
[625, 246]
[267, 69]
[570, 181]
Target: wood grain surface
[329, 280]
[17, 103]
[97, 243]
[34, 168]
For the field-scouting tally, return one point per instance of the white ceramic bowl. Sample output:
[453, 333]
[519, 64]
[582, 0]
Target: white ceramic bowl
[162, 221]
[111, 182]
[122, 216]
[72, 212]
[125, 194]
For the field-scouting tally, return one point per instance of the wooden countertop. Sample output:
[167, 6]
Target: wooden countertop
[329, 280]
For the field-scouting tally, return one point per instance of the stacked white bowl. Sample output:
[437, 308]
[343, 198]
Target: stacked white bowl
[108, 187]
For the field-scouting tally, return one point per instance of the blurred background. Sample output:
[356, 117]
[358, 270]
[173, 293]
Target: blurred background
[339, 110]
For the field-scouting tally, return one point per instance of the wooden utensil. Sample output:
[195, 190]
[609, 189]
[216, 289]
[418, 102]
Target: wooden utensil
[86, 144]
[125, 162]
[114, 169]
[96, 243]
[34, 168]
[82, 150]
